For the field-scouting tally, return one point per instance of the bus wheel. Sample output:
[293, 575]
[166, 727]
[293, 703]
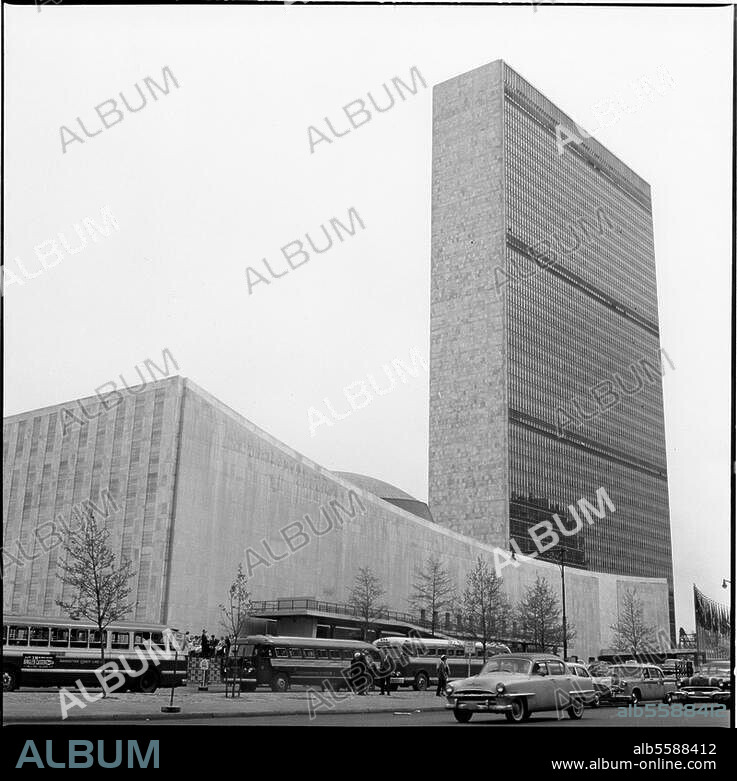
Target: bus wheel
[148, 683]
[280, 683]
[421, 681]
[464, 716]
[10, 680]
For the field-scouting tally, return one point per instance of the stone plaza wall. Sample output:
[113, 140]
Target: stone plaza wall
[242, 496]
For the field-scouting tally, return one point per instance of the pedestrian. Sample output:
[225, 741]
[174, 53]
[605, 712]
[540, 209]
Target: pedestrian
[204, 650]
[226, 648]
[358, 674]
[443, 676]
[385, 673]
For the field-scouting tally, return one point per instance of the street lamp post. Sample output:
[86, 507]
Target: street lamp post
[562, 564]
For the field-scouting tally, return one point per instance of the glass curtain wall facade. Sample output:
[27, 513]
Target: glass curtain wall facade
[584, 363]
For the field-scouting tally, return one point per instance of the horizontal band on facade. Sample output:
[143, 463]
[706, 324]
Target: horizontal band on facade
[517, 245]
[547, 123]
[588, 445]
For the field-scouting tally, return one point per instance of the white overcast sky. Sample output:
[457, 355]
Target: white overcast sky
[218, 174]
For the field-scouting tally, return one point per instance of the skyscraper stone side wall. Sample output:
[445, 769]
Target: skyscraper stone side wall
[468, 374]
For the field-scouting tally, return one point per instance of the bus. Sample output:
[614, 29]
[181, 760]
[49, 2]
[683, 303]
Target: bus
[416, 659]
[58, 652]
[280, 662]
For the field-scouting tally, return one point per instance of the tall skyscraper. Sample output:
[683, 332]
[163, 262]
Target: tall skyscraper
[546, 373]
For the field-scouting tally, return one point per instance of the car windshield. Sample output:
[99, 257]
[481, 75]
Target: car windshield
[624, 670]
[507, 665]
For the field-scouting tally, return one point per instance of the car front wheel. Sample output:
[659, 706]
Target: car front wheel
[635, 698]
[464, 716]
[520, 712]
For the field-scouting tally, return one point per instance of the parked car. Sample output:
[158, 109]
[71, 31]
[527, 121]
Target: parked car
[582, 671]
[633, 682]
[712, 683]
[602, 679]
[518, 685]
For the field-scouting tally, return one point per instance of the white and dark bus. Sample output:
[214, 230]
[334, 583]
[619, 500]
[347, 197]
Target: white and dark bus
[58, 652]
[280, 662]
[416, 659]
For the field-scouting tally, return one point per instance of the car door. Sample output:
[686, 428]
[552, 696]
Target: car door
[658, 684]
[647, 685]
[562, 684]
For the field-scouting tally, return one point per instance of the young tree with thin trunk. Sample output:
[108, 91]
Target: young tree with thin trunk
[631, 633]
[100, 589]
[366, 595]
[236, 612]
[432, 590]
[485, 606]
[539, 615]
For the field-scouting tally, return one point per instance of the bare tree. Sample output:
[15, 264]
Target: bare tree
[432, 590]
[540, 616]
[366, 594]
[100, 588]
[631, 633]
[485, 606]
[236, 612]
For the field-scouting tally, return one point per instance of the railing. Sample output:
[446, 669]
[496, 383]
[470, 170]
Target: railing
[342, 608]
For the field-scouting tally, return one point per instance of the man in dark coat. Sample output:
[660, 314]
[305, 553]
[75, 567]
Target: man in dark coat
[443, 676]
[204, 645]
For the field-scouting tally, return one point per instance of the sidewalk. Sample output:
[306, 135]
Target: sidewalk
[44, 705]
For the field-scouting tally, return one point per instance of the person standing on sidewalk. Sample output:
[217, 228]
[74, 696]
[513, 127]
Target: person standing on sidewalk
[384, 673]
[443, 676]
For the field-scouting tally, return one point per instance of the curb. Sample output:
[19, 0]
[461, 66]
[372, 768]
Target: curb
[201, 715]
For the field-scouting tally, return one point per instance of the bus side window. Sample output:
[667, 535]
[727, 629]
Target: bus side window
[334, 654]
[431, 652]
[295, 653]
[157, 638]
[309, 653]
[59, 637]
[39, 636]
[281, 653]
[18, 635]
[78, 638]
[321, 653]
[95, 638]
[120, 641]
[140, 639]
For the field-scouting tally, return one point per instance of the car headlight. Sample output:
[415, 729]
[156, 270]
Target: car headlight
[449, 689]
[500, 688]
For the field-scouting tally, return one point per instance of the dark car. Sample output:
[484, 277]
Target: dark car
[711, 684]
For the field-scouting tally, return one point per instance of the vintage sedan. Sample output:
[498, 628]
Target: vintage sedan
[634, 682]
[518, 685]
[711, 684]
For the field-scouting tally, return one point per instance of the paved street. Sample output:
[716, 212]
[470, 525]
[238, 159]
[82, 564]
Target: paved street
[403, 709]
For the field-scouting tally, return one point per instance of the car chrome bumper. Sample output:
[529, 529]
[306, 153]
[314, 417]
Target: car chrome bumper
[689, 696]
[489, 705]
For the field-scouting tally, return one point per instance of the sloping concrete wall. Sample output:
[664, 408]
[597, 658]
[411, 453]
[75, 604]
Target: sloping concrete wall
[242, 496]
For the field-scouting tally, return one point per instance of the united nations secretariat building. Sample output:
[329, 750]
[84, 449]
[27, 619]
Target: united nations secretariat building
[545, 404]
